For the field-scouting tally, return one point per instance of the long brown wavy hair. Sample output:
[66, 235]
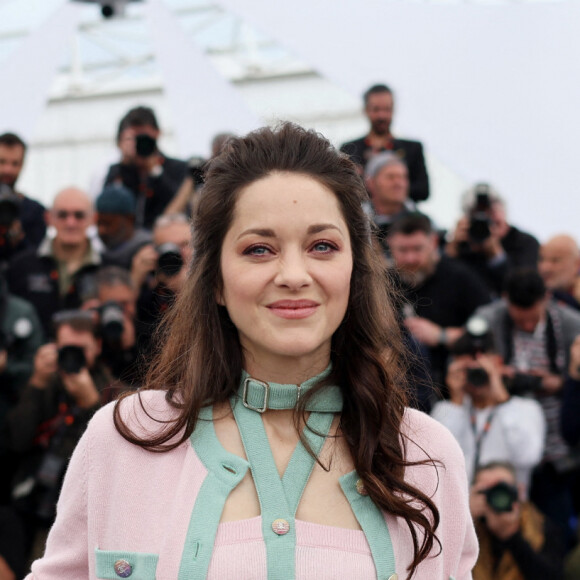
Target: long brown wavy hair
[199, 360]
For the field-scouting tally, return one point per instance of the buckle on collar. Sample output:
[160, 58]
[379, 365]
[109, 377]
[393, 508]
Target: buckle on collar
[266, 388]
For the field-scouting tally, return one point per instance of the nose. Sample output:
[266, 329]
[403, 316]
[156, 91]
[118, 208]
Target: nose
[293, 271]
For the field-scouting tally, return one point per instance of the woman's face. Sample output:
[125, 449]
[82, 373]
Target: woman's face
[286, 264]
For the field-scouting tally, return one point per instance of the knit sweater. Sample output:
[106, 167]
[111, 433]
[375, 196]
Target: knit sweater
[120, 501]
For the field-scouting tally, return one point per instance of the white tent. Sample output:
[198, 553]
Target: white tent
[490, 88]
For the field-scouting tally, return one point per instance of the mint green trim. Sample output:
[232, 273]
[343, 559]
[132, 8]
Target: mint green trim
[144, 565]
[225, 471]
[275, 396]
[317, 423]
[278, 497]
[372, 521]
[280, 550]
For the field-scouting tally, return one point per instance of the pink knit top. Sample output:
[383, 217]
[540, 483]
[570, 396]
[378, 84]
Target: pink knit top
[118, 497]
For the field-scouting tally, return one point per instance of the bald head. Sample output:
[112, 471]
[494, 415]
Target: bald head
[71, 214]
[559, 262]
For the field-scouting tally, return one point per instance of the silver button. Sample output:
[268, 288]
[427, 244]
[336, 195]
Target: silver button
[280, 527]
[122, 568]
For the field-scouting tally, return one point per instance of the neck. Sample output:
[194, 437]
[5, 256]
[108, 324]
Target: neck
[285, 370]
[69, 253]
[379, 140]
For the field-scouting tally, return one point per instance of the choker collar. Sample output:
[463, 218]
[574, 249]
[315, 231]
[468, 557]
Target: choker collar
[260, 396]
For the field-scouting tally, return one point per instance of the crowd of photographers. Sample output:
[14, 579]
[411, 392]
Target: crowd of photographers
[490, 316]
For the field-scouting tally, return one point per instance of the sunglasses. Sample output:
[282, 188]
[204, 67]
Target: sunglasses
[62, 214]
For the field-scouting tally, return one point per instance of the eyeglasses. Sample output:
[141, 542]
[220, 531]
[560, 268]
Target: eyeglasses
[62, 214]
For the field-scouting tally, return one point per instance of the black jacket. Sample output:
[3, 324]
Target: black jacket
[34, 277]
[411, 152]
[154, 194]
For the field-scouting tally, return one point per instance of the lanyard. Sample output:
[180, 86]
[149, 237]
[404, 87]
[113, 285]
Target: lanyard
[479, 437]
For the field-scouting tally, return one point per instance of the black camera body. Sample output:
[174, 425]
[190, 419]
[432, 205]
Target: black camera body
[477, 339]
[145, 145]
[71, 359]
[112, 321]
[524, 384]
[501, 497]
[170, 260]
[480, 220]
[9, 206]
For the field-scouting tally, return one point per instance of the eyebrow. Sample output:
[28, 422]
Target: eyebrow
[269, 233]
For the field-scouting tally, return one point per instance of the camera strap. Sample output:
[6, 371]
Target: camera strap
[551, 341]
[479, 437]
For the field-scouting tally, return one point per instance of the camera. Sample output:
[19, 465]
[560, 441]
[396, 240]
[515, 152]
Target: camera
[112, 321]
[196, 166]
[477, 339]
[170, 260]
[9, 206]
[145, 145]
[479, 220]
[501, 497]
[523, 384]
[71, 359]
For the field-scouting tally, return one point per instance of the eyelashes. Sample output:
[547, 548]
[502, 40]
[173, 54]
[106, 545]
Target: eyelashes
[318, 247]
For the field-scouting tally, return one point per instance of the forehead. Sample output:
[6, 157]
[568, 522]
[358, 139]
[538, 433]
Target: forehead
[393, 168]
[71, 200]
[489, 477]
[403, 240]
[380, 100]
[116, 293]
[111, 218]
[270, 201]
[559, 249]
[14, 152]
[68, 335]
[175, 233]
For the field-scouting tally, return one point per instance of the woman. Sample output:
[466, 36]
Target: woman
[285, 321]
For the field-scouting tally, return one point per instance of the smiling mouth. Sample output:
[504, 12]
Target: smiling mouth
[293, 309]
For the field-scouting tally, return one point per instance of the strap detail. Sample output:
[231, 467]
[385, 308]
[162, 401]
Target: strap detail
[372, 521]
[279, 498]
[225, 471]
[259, 396]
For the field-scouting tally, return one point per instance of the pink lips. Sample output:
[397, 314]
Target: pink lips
[293, 309]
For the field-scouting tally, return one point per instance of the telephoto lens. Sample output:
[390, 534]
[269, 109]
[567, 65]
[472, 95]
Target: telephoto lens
[71, 359]
[112, 321]
[169, 261]
[501, 497]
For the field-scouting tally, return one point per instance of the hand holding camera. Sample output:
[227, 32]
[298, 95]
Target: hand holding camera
[139, 147]
[81, 388]
[45, 365]
[498, 507]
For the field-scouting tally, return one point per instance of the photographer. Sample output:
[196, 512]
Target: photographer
[115, 210]
[20, 337]
[488, 423]
[516, 542]
[160, 272]
[115, 306]
[570, 420]
[534, 336]
[29, 228]
[153, 178]
[486, 242]
[67, 386]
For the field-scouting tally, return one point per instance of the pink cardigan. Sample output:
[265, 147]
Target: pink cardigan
[119, 497]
